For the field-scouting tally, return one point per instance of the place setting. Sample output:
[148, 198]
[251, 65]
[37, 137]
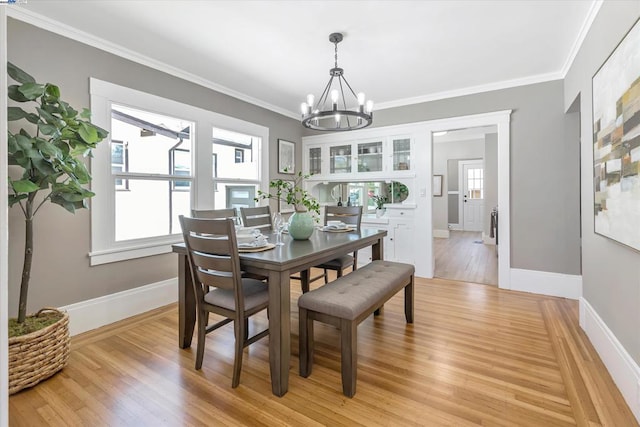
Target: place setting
[252, 240]
[337, 227]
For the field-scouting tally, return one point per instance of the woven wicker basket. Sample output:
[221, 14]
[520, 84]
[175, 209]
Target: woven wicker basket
[37, 356]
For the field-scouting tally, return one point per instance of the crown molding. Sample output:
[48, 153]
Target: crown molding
[471, 90]
[582, 34]
[40, 21]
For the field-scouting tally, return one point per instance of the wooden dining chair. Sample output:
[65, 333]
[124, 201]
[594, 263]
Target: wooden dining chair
[214, 213]
[352, 216]
[219, 288]
[259, 217]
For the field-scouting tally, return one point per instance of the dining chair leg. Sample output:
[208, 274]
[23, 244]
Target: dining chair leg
[202, 332]
[239, 328]
[246, 329]
[305, 343]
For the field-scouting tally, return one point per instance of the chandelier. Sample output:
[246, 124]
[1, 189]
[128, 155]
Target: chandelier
[336, 115]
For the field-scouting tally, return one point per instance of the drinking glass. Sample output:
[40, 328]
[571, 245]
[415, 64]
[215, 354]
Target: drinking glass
[278, 225]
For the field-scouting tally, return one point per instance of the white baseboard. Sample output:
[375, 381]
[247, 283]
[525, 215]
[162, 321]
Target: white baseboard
[546, 283]
[621, 366]
[94, 313]
[442, 234]
[488, 240]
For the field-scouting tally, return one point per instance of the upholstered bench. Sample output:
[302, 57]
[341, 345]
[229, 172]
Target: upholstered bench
[345, 303]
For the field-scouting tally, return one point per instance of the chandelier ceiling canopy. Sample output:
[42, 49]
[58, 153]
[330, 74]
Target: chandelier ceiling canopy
[335, 110]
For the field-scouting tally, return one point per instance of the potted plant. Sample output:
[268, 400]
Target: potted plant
[301, 223]
[48, 150]
[380, 200]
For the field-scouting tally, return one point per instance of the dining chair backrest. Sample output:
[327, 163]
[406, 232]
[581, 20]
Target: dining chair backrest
[214, 213]
[259, 217]
[350, 215]
[213, 255]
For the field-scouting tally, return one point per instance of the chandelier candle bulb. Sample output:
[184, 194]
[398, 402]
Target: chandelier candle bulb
[369, 106]
[304, 108]
[310, 100]
[361, 99]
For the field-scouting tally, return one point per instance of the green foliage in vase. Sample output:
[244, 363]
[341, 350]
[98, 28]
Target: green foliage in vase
[379, 201]
[291, 193]
[49, 149]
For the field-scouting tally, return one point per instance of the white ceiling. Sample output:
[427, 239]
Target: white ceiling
[397, 52]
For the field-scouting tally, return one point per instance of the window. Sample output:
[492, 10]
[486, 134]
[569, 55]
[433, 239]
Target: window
[236, 182]
[475, 183]
[161, 162]
[239, 155]
[158, 152]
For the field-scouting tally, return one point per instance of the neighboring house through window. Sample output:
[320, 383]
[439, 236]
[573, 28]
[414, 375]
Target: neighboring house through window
[158, 149]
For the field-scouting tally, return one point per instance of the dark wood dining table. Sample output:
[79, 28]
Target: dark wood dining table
[277, 264]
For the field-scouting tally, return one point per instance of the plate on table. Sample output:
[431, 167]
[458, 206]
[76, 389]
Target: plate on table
[256, 248]
[332, 229]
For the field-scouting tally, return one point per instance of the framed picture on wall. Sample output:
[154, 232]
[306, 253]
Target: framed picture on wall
[286, 157]
[437, 185]
[616, 143]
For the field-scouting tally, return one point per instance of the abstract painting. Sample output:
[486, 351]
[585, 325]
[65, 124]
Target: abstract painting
[616, 143]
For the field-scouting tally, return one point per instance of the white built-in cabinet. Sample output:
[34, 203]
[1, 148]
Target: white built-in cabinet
[388, 156]
[384, 157]
[399, 243]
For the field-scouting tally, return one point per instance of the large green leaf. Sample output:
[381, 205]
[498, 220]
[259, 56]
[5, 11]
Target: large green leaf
[88, 132]
[48, 148]
[47, 129]
[18, 75]
[16, 95]
[24, 186]
[52, 91]
[31, 91]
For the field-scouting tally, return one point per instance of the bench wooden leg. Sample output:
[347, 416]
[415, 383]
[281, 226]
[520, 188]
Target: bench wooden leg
[408, 300]
[349, 356]
[305, 342]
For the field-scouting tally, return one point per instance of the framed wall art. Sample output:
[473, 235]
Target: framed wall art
[286, 157]
[616, 143]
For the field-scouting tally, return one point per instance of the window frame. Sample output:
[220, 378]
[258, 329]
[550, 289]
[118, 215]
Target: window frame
[104, 247]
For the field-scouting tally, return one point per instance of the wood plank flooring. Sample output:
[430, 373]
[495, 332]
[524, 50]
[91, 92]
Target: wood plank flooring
[460, 258]
[476, 355]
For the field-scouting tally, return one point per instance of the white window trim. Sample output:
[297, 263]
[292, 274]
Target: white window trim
[104, 248]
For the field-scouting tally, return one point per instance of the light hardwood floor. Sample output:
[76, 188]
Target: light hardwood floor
[476, 355]
[460, 258]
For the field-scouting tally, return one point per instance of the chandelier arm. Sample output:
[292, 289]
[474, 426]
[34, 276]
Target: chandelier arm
[325, 93]
[349, 86]
[344, 101]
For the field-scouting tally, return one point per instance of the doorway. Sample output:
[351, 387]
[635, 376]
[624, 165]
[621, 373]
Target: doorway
[463, 245]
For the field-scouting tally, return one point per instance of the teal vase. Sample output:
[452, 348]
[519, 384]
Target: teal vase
[301, 225]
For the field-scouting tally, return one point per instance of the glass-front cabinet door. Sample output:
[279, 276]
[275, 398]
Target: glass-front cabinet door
[401, 153]
[370, 156]
[340, 159]
[315, 160]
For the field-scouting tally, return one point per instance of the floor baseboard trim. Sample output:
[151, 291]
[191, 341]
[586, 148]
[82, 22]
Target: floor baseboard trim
[546, 283]
[442, 234]
[621, 366]
[94, 313]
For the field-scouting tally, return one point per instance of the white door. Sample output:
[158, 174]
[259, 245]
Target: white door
[473, 196]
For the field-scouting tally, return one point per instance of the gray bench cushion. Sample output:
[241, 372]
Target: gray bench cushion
[350, 295]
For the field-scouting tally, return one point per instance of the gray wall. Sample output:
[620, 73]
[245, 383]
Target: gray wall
[611, 272]
[490, 178]
[61, 273]
[442, 153]
[540, 168]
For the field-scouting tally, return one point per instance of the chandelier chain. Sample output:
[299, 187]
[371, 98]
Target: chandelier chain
[336, 54]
